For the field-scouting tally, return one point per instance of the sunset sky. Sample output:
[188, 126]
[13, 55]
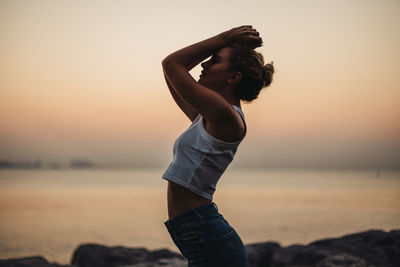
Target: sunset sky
[83, 80]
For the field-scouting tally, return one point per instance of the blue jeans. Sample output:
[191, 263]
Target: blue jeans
[206, 239]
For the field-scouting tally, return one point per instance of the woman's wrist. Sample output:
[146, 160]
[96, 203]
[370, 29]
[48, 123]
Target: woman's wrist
[225, 37]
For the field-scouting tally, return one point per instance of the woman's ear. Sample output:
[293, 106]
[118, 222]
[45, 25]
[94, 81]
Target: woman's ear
[235, 78]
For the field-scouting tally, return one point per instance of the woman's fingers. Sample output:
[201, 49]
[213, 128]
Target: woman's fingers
[257, 42]
[252, 32]
[246, 34]
[252, 37]
[245, 26]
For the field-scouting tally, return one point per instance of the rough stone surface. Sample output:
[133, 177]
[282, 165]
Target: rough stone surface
[92, 255]
[261, 254]
[367, 249]
[34, 261]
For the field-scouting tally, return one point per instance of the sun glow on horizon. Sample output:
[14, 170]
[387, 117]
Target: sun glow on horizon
[88, 76]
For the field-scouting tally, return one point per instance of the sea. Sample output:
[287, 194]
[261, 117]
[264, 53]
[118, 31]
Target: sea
[50, 212]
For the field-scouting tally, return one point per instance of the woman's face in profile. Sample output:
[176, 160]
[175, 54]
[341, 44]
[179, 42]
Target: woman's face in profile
[215, 71]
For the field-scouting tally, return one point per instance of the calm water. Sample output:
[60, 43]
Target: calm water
[51, 212]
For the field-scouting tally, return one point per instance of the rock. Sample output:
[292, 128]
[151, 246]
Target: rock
[35, 261]
[92, 255]
[340, 260]
[369, 249]
[260, 255]
[296, 254]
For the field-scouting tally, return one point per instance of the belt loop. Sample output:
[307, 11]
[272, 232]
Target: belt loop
[215, 205]
[201, 218]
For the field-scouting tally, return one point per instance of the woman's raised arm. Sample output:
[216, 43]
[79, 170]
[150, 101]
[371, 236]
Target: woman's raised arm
[189, 111]
[207, 102]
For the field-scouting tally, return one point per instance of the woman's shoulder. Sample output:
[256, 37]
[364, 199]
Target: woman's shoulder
[229, 129]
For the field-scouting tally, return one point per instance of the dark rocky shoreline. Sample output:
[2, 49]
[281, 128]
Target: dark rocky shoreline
[372, 248]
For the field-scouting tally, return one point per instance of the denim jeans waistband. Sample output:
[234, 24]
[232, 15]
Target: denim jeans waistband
[199, 213]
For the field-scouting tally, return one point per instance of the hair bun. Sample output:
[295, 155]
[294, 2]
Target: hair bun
[268, 73]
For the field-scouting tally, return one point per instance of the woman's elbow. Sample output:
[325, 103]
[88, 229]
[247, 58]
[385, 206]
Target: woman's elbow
[169, 66]
[166, 63]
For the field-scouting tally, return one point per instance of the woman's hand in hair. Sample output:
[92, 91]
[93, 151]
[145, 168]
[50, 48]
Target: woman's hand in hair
[243, 35]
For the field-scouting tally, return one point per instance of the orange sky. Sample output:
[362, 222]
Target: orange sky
[83, 79]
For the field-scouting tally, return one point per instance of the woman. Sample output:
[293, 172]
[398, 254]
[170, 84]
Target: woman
[202, 153]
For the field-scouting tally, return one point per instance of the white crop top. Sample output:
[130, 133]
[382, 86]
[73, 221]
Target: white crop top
[200, 159]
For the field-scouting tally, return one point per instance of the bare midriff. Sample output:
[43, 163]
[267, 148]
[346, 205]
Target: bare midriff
[181, 199]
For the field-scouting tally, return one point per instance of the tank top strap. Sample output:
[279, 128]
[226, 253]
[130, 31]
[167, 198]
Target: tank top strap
[239, 110]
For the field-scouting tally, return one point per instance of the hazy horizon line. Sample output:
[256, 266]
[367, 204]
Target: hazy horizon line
[88, 164]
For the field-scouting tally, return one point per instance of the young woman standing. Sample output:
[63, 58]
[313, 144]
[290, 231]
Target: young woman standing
[235, 72]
